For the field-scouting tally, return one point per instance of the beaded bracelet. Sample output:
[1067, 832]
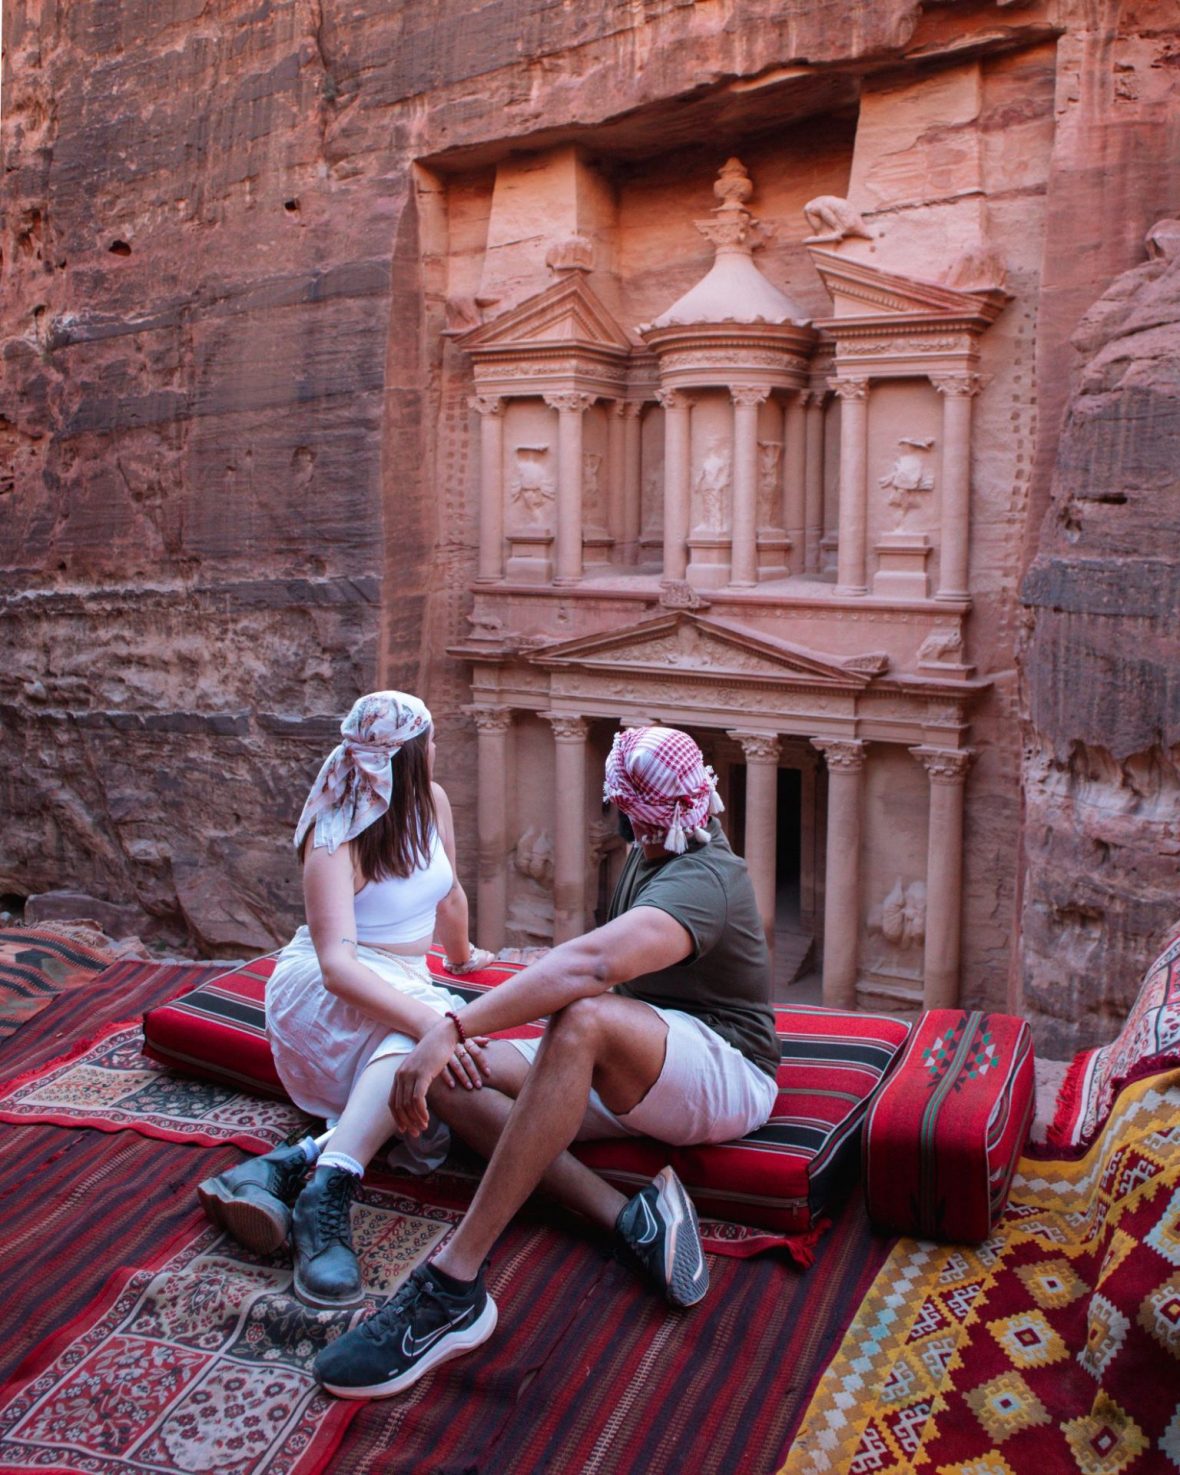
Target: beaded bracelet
[458, 1023]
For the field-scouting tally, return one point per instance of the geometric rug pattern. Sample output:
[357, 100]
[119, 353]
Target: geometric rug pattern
[1052, 1347]
[37, 964]
[202, 1360]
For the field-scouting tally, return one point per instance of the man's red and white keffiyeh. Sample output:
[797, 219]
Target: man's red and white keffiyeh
[659, 779]
[355, 784]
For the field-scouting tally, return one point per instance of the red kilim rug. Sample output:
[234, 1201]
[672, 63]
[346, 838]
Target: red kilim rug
[37, 964]
[1053, 1347]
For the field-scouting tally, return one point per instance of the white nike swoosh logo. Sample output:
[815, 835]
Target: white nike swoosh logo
[650, 1228]
[414, 1346]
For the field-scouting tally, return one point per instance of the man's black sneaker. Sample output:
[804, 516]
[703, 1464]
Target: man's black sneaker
[657, 1233]
[326, 1269]
[424, 1324]
[253, 1201]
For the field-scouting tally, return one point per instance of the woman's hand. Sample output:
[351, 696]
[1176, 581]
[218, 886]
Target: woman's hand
[468, 1066]
[479, 958]
[415, 1076]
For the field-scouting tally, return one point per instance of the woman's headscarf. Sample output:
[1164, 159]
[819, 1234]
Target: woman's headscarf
[659, 779]
[355, 784]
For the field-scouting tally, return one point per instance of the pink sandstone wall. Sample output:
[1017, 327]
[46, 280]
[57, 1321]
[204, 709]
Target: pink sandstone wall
[236, 476]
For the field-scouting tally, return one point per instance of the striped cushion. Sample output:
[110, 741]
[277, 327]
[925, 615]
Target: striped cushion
[781, 1177]
[944, 1134]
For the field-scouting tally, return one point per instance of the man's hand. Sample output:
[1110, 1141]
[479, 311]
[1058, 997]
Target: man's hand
[416, 1074]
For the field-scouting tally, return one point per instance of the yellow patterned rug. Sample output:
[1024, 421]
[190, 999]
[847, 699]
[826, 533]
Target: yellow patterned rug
[1052, 1348]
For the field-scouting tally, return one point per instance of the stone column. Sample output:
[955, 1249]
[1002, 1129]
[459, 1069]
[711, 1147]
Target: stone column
[743, 567]
[677, 481]
[568, 542]
[794, 481]
[490, 410]
[947, 770]
[632, 411]
[845, 759]
[957, 390]
[615, 462]
[851, 576]
[492, 726]
[571, 839]
[762, 753]
[813, 489]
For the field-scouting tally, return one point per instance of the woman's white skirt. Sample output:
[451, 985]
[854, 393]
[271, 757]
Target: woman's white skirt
[321, 1043]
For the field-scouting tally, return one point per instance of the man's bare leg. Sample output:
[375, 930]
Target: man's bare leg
[614, 1044]
[479, 1118]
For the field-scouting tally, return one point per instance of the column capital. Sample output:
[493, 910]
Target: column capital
[814, 399]
[674, 399]
[490, 719]
[761, 747]
[486, 404]
[843, 755]
[749, 394]
[570, 402]
[945, 765]
[850, 388]
[626, 409]
[957, 385]
[567, 728]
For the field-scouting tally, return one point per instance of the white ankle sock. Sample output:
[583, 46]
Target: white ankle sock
[310, 1149]
[332, 1159]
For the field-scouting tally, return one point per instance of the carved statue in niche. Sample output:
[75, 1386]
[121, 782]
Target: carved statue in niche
[832, 218]
[533, 487]
[900, 925]
[770, 460]
[530, 917]
[711, 488]
[652, 500]
[908, 478]
[593, 511]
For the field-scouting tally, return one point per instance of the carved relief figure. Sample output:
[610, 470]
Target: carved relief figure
[652, 501]
[908, 478]
[593, 511]
[533, 486]
[770, 460]
[711, 488]
[941, 645]
[832, 218]
[899, 924]
[530, 917]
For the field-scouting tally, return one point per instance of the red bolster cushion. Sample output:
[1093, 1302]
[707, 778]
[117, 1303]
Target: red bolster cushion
[944, 1134]
[781, 1177]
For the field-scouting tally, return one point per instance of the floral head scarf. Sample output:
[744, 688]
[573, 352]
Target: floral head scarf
[355, 784]
[658, 778]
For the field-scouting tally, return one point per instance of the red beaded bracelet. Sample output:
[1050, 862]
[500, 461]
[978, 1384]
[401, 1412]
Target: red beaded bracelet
[462, 1033]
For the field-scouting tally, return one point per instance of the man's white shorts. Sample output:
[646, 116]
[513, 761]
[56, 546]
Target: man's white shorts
[707, 1091]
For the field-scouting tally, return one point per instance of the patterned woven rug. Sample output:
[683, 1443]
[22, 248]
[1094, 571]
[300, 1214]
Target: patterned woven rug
[37, 964]
[201, 1360]
[1052, 1347]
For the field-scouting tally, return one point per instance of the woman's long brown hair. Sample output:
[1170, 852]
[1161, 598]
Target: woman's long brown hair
[399, 842]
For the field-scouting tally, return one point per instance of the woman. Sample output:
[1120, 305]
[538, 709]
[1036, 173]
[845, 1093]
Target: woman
[351, 992]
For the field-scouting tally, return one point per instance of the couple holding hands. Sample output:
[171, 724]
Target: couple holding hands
[659, 1024]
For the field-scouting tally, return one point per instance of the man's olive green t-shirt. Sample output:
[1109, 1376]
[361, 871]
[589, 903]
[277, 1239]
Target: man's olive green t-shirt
[726, 981]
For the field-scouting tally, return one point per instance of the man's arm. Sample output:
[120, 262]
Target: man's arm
[643, 940]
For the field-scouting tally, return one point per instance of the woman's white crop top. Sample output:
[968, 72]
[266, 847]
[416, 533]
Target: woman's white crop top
[401, 908]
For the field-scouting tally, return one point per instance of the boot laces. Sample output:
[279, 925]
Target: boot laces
[404, 1302]
[333, 1220]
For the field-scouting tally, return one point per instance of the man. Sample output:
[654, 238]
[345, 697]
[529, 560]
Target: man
[660, 1024]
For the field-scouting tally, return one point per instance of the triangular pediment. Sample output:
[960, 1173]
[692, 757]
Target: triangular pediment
[859, 290]
[700, 646]
[568, 312]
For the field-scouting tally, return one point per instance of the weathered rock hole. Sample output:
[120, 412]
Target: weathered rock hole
[119, 248]
[291, 206]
